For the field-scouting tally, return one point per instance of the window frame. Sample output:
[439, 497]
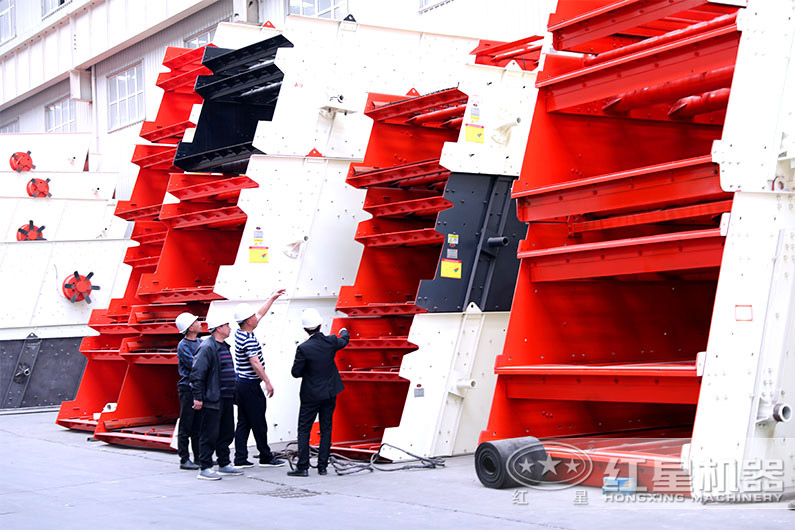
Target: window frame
[72, 122]
[141, 116]
[210, 32]
[45, 11]
[15, 121]
[341, 5]
[431, 4]
[10, 11]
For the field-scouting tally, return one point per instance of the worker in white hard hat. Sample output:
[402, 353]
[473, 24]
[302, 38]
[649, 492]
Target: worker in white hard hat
[212, 380]
[189, 419]
[320, 384]
[250, 399]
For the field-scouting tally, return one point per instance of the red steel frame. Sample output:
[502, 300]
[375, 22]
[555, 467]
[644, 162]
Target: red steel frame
[623, 204]
[132, 362]
[202, 232]
[405, 184]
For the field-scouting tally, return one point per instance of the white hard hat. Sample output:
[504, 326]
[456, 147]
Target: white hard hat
[217, 319]
[310, 318]
[184, 321]
[243, 311]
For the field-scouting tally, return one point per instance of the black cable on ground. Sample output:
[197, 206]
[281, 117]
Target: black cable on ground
[344, 465]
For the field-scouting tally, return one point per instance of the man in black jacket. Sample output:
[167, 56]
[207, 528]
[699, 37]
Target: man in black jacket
[320, 384]
[212, 381]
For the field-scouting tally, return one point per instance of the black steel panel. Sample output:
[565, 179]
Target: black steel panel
[54, 377]
[488, 233]
[241, 92]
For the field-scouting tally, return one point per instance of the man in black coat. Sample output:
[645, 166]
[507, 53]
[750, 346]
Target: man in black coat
[320, 384]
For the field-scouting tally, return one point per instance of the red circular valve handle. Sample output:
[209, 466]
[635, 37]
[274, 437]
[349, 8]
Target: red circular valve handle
[77, 288]
[30, 232]
[20, 162]
[39, 188]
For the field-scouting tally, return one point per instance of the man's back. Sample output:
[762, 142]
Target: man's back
[314, 362]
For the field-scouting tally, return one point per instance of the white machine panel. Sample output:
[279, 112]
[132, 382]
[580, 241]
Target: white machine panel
[50, 152]
[36, 271]
[452, 383]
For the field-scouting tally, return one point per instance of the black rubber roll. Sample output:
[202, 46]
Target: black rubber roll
[504, 463]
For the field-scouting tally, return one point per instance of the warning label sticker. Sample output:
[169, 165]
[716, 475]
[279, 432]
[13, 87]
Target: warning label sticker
[451, 268]
[474, 133]
[257, 254]
[452, 239]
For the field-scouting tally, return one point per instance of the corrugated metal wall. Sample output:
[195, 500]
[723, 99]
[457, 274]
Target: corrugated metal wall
[31, 111]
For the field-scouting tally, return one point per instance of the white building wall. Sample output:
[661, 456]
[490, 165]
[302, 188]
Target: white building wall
[116, 147]
[116, 34]
[505, 20]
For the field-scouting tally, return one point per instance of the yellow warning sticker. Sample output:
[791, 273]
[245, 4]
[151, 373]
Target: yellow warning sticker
[258, 254]
[474, 133]
[451, 268]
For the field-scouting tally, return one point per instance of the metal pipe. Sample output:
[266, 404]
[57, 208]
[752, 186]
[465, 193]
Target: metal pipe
[701, 27]
[455, 123]
[437, 115]
[511, 54]
[701, 104]
[499, 241]
[671, 90]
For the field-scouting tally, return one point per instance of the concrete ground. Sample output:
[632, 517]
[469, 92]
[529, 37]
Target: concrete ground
[55, 478]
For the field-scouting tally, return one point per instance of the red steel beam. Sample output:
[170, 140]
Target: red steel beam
[424, 236]
[427, 206]
[613, 18]
[408, 107]
[360, 176]
[697, 249]
[376, 309]
[659, 185]
[717, 22]
[659, 216]
[188, 186]
[702, 52]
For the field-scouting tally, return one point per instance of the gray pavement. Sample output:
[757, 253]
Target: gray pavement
[55, 478]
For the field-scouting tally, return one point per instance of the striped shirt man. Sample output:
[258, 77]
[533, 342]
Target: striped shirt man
[247, 346]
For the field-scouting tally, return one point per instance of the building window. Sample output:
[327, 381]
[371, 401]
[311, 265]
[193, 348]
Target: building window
[48, 6]
[202, 39]
[10, 127]
[126, 97]
[7, 26]
[60, 116]
[426, 5]
[336, 9]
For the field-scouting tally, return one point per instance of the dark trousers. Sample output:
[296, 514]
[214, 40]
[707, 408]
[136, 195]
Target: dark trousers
[189, 424]
[216, 433]
[306, 417]
[251, 407]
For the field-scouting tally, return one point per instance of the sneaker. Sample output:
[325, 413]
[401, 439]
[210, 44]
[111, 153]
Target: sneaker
[229, 469]
[187, 464]
[298, 473]
[273, 462]
[208, 474]
[245, 464]
[321, 471]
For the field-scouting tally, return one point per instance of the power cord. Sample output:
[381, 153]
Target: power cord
[344, 465]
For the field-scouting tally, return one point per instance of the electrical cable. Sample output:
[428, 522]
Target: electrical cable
[344, 465]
